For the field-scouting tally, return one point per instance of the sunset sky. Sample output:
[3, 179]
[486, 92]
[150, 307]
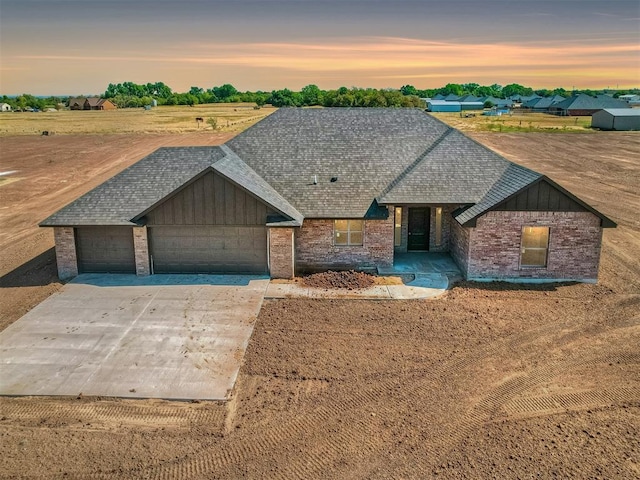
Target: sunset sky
[63, 47]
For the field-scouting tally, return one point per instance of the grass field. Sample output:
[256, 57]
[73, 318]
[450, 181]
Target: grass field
[235, 117]
[516, 122]
[230, 117]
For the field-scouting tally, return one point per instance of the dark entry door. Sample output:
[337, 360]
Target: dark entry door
[419, 228]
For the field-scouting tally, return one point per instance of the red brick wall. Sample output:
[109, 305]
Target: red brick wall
[459, 245]
[281, 252]
[315, 250]
[66, 252]
[141, 251]
[574, 246]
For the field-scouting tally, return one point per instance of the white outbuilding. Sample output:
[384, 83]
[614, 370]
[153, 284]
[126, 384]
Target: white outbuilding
[616, 119]
[5, 107]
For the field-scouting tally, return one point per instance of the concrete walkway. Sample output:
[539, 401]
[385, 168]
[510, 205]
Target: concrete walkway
[163, 336]
[433, 274]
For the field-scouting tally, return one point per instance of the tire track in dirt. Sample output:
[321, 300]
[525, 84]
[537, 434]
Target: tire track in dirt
[531, 406]
[123, 415]
[356, 400]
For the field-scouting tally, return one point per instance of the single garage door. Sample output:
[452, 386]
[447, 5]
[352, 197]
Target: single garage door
[105, 250]
[209, 249]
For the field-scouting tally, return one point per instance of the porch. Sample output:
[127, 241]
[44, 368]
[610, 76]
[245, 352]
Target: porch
[431, 269]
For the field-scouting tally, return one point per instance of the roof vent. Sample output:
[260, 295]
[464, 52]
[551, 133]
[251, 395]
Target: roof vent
[315, 179]
[334, 179]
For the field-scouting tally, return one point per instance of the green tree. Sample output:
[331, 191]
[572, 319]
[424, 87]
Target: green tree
[224, 92]
[452, 88]
[409, 90]
[311, 95]
[516, 89]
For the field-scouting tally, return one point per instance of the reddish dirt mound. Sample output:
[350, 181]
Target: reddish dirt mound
[351, 280]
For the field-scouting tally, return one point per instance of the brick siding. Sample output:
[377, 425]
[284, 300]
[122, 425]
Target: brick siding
[575, 240]
[459, 245]
[66, 257]
[281, 262]
[315, 250]
[141, 249]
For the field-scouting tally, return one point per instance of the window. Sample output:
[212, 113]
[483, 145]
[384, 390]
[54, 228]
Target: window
[535, 242]
[438, 226]
[397, 227]
[347, 232]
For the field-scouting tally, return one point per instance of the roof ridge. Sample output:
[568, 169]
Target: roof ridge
[416, 162]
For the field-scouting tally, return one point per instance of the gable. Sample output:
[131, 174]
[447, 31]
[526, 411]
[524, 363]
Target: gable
[210, 200]
[540, 197]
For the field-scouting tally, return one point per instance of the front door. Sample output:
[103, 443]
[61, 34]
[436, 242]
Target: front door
[419, 228]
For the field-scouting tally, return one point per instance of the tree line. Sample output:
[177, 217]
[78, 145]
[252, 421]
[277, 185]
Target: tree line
[132, 95]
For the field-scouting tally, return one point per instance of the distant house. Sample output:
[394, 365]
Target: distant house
[616, 119]
[585, 105]
[452, 98]
[91, 103]
[469, 98]
[497, 102]
[5, 107]
[542, 104]
[631, 99]
[334, 188]
[518, 100]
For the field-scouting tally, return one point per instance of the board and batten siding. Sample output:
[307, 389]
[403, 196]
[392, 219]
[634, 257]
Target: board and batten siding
[210, 200]
[541, 197]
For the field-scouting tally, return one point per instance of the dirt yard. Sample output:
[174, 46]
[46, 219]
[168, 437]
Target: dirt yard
[490, 381]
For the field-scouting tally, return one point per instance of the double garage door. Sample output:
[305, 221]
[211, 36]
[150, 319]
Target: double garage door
[208, 249]
[184, 249]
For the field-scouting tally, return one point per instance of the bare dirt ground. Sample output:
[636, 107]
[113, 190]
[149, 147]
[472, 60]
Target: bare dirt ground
[489, 381]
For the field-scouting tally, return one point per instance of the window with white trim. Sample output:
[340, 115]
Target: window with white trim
[397, 227]
[348, 232]
[438, 226]
[534, 247]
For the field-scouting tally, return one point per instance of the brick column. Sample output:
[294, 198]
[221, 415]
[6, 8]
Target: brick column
[281, 257]
[141, 248]
[66, 258]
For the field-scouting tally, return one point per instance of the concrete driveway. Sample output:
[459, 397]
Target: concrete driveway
[164, 336]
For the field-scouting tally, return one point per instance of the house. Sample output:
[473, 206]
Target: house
[469, 98]
[584, 105]
[5, 107]
[631, 99]
[497, 102]
[336, 188]
[616, 119]
[91, 103]
[541, 104]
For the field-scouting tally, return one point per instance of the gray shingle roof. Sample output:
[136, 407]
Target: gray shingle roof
[365, 149]
[586, 102]
[132, 191]
[124, 198]
[458, 170]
